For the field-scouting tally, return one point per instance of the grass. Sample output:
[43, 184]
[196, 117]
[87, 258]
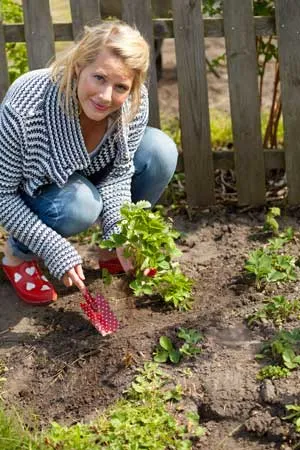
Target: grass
[144, 418]
[220, 129]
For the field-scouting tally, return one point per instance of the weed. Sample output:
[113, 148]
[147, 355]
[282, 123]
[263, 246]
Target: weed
[271, 223]
[278, 310]
[149, 240]
[141, 420]
[273, 372]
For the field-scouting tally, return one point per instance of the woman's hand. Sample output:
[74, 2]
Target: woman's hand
[74, 276]
[126, 263]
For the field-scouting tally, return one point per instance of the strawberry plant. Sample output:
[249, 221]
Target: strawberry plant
[278, 310]
[149, 240]
[284, 349]
[269, 267]
[167, 351]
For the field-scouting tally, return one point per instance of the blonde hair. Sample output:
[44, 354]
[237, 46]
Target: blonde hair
[122, 40]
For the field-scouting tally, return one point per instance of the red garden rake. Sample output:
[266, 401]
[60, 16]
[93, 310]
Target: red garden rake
[98, 311]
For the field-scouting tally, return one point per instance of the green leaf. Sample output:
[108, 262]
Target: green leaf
[161, 356]
[174, 356]
[166, 343]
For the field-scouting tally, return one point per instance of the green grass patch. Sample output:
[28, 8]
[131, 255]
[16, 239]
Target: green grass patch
[220, 128]
[145, 418]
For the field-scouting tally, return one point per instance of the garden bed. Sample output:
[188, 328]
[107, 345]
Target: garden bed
[60, 369]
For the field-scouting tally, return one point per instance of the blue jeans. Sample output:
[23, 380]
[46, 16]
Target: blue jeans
[77, 205]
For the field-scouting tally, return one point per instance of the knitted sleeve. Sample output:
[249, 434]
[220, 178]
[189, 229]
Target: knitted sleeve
[115, 190]
[24, 225]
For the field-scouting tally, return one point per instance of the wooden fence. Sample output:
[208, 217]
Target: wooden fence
[190, 29]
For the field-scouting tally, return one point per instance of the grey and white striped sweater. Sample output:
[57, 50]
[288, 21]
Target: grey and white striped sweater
[40, 144]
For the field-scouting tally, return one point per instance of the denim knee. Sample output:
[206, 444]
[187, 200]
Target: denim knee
[155, 163]
[82, 207]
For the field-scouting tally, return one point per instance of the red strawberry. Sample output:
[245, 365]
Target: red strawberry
[150, 272]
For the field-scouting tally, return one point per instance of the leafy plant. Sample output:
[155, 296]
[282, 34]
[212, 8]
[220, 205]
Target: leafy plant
[167, 351]
[273, 372]
[270, 267]
[12, 12]
[149, 240]
[284, 349]
[278, 309]
[294, 415]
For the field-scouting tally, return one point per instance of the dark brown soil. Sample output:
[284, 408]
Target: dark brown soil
[60, 368]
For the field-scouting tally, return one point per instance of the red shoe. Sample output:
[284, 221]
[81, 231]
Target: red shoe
[29, 283]
[112, 265]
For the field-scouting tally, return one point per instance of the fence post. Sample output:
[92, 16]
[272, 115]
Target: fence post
[139, 13]
[193, 102]
[83, 12]
[4, 80]
[39, 34]
[288, 31]
[244, 99]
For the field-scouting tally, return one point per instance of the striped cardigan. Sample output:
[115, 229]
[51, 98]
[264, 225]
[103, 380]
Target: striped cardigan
[40, 144]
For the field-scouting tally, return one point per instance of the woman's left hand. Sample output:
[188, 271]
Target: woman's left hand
[126, 263]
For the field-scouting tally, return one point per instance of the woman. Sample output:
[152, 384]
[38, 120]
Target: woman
[74, 147]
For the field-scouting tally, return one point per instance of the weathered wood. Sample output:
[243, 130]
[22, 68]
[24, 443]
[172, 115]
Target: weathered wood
[39, 33]
[193, 101]
[84, 12]
[264, 26]
[244, 101]
[139, 13]
[288, 30]
[274, 159]
[4, 80]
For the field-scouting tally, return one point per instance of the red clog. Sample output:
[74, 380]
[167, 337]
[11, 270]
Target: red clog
[112, 265]
[29, 283]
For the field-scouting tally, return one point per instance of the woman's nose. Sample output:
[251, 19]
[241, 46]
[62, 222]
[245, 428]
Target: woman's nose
[106, 94]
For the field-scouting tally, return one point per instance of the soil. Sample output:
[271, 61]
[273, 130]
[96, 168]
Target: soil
[60, 368]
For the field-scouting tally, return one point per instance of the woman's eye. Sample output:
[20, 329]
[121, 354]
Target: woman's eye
[122, 88]
[99, 77]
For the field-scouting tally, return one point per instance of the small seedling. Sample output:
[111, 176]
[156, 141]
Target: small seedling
[278, 310]
[294, 415]
[271, 223]
[167, 351]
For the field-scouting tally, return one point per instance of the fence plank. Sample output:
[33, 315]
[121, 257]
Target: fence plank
[264, 26]
[193, 101]
[4, 80]
[139, 13]
[83, 12]
[39, 33]
[287, 20]
[244, 101]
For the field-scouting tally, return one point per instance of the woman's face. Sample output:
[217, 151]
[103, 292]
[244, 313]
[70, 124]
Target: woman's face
[103, 86]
